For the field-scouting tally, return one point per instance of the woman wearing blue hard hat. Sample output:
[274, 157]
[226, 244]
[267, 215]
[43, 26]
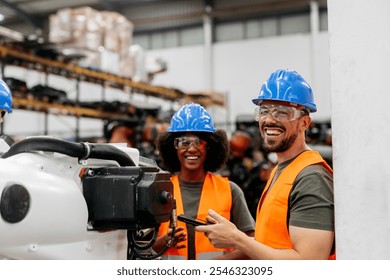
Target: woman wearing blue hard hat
[5, 100]
[192, 149]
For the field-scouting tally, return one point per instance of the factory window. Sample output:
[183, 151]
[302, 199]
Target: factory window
[171, 39]
[295, 24]
[228, 31]
[191, 36]
[323, 21]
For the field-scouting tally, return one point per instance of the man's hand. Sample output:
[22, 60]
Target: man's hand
[221, 233]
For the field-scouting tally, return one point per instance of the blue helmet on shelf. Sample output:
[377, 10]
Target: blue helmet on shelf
[288, 86]
[191, 118]
[5, 97]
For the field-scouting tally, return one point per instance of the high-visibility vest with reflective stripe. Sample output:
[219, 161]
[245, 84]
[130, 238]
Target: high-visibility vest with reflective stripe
[272, 211]
[216, 194]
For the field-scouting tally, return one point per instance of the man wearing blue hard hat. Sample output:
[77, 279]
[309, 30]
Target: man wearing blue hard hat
[192, 149]
[295, 215]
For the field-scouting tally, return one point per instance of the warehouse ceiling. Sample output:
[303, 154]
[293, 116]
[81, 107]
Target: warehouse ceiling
[148, 15]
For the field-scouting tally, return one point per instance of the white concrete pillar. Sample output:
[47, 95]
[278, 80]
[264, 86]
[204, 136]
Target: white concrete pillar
[208, 49]
[314, 30]
[360, 93]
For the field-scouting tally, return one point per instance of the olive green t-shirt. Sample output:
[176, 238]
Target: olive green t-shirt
[311, 202]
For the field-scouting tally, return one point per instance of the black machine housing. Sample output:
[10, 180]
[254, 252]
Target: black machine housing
[131, 197]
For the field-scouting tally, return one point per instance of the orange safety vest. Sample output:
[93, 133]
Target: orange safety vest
[272, 211]
[216, 194]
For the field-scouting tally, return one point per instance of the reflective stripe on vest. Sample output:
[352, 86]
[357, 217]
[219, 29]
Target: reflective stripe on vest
[174, 257]
[200, 256]
[216, 194]
[272, 211]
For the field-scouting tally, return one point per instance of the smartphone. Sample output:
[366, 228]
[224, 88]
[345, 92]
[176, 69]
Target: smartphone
[194, 222]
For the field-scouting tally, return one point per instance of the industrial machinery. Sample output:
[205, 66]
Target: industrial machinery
[66, 200]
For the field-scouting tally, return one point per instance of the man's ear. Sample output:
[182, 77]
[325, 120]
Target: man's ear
[305, 122]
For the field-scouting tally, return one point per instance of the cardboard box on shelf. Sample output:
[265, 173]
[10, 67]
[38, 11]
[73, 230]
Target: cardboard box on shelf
[109, 34]
[90, 29]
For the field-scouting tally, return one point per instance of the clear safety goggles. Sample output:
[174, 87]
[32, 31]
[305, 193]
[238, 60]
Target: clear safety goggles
[185, 142]
[278, 112]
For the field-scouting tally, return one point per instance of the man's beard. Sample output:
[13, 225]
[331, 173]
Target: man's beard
[281, 147]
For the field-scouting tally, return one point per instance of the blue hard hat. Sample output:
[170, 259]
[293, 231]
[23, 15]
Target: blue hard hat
[191, 118]
[288, 86]
[5, 97]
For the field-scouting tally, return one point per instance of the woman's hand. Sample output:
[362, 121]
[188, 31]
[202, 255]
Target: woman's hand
[179, 238]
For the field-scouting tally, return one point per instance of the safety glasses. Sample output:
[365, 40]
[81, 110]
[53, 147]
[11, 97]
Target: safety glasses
[278, 112]
[185, 142]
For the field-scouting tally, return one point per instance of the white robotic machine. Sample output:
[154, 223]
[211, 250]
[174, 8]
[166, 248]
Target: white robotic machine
[66, 200]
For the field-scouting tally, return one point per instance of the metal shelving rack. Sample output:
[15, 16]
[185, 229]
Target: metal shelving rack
[10, 55]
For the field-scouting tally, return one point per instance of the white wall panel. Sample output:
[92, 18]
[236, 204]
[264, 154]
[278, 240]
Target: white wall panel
[359, 62]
